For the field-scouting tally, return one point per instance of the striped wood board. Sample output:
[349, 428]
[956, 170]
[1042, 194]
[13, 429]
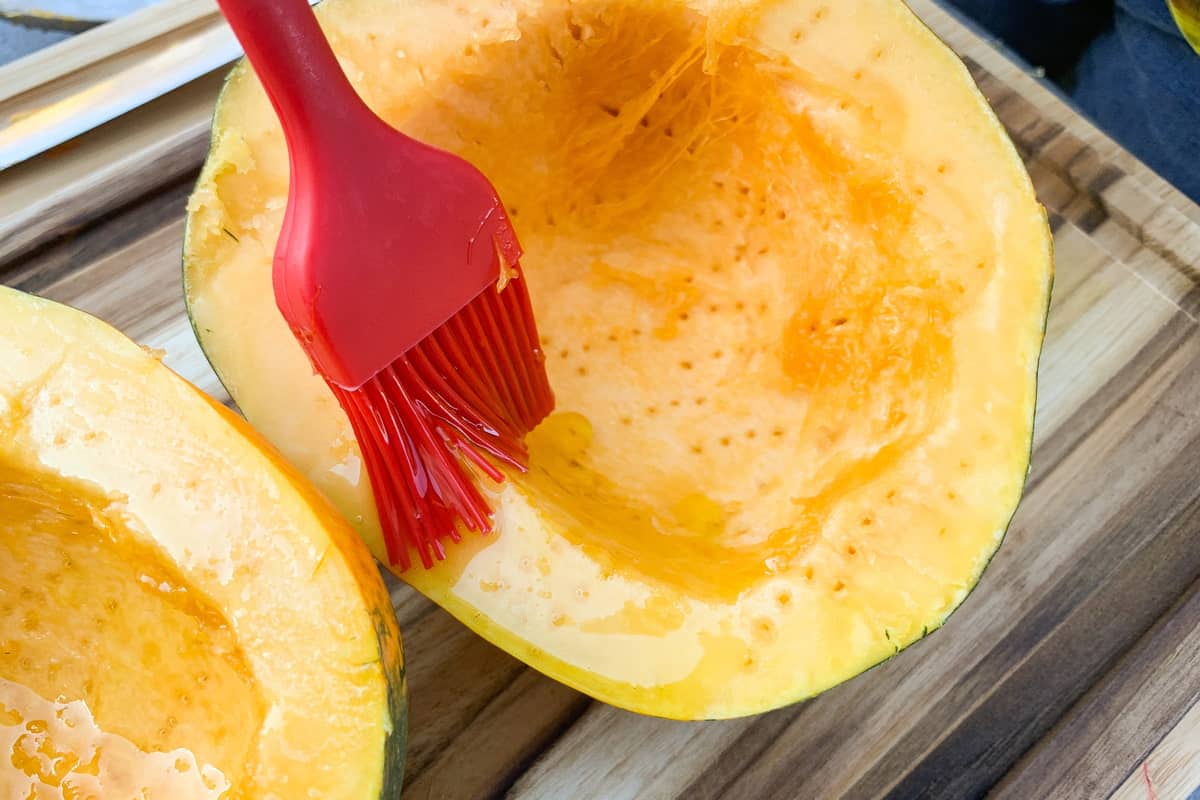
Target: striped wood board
[1073, 670]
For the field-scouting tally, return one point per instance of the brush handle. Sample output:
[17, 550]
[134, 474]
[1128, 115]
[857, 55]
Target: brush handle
[291, 56]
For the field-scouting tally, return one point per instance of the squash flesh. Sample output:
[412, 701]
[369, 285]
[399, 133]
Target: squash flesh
[767, 246]
[271, 645]
[80, 591]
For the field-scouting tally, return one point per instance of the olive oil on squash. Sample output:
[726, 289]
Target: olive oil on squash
[681, 541]
[56, 750]
[114, 675]
[743, 296]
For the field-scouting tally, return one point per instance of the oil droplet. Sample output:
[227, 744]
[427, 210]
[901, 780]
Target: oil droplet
[570, 432]
[657, 616]
[62, 753]
[700, 514]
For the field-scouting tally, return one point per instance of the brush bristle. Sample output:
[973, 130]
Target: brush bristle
[466, 394]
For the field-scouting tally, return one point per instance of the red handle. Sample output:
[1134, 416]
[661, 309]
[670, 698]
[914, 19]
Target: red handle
[297, 67]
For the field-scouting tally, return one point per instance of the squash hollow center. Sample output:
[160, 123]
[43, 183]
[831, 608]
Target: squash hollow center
[745, 283]
[733, 280]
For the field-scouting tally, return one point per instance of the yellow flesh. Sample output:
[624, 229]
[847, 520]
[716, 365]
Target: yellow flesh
[177, 614]
[77, 591]
[790, 279]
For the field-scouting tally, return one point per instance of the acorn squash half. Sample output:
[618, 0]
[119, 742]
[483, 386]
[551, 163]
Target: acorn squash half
[181, 614]
[791, 279]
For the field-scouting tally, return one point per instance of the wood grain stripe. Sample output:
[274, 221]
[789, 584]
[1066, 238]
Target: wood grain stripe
[1093, 297]
[726, 767]
[1073, 648]
[79, 253]
[106, 169]
[453, 676]
[495, 748]
[617, 755]
[1101, 742]
[1172, 770]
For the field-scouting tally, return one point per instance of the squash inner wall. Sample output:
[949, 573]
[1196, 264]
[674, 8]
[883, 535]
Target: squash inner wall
[92, 616]
[733, 302]
[746, 292]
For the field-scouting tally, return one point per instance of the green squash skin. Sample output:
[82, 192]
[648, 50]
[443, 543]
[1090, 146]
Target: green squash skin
[237, 69]
[395, 746]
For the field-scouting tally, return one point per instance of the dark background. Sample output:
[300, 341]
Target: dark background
[1124, 63]
[17, 40]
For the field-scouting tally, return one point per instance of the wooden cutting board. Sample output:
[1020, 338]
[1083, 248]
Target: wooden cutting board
[1072, 671]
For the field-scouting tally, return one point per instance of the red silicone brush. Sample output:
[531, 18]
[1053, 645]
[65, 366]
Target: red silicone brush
[397, 270]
